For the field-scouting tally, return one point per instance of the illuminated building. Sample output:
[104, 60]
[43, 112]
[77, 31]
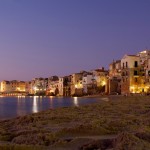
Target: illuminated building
[100, 77]
[5, 86]
[53, 85]
[28, 87]
[88, 82]
[39, 86]
[76, 84]
[133, 74]
[114, 79]
[13, 87]
[145, 63]
[65, 86]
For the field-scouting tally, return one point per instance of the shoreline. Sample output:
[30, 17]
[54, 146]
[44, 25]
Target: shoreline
[72, 127]
[86, 96]
[30, 113]
[103, 98]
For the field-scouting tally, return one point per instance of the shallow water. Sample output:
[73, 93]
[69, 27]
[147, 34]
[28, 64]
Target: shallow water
[11, 107]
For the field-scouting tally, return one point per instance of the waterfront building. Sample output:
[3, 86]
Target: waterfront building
[114, 78]
[61, 86]
[21, 86]
[13, 87]
[100, 78]
[133, 75]
[88, 83]
[5, 86]
[144, 56]
[76, 84]
[28, 87]
[145, 64]
[65, 86]
[53, 86]
[39, 86]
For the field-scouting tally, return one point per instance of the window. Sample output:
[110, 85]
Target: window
[135, 64]
[135, 72]
[126, 64]
[123, 65]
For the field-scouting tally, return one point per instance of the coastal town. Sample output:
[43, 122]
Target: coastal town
[75, 75]
[129, 75]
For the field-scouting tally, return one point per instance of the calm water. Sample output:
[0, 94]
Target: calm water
[11, 107]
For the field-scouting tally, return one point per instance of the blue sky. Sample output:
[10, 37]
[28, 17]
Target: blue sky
[40, 38]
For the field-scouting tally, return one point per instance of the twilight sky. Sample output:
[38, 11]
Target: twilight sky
[41, 38]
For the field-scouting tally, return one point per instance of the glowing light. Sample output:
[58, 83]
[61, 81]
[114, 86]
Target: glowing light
[35, 88]
[79, 85]
[138, 89]
[132, 89]
[75, 101]
[18, 89]
[35, 105]
[103, 83]
[143, 52]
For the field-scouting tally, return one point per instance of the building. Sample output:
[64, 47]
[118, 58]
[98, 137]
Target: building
[100, 79]
[145, 64]
[28, 87]
[87, 81]
[65, 86]
[39, 86]
[114, 79]
[76, 84]
[13, 87]
[5, 86]
[144, 56]
[53, 86]
[133, 75]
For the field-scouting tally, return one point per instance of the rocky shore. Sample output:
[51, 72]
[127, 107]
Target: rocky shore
[117, 124]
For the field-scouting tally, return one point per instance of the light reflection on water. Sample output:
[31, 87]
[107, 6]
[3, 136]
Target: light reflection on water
[20, 102]
[75, 100]
[35, 104]
[11, 107]
[106, 99]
